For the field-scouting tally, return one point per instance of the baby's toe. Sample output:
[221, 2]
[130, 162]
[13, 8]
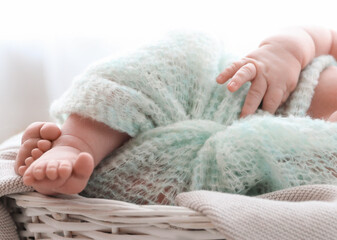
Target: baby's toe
[39, 171]
[36, 153]
[52, 170]
[28, 178]
[32, 131]
[84, 165]
[25, 151]
[22, 170]
[29, 161]
[44, 145]
[50, 131]
[65, 169]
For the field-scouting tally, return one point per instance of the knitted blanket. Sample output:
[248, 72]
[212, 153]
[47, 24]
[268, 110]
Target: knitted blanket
[187, 136]
[185, 127]
[9, 183]
[305, 212]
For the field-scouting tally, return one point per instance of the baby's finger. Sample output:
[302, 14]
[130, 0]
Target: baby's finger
[254, 97]
[272, 99]
[230, 71]
[244, 74]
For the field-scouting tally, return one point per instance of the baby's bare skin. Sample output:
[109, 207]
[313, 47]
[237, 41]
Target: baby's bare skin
[274, 68]
[324, 101]
[66, 165]
[54, 160]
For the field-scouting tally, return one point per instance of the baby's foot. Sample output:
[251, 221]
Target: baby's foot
[65, 168]
[62, 169]
[35, 141]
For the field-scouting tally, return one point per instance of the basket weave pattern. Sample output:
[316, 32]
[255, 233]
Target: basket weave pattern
[68, 217]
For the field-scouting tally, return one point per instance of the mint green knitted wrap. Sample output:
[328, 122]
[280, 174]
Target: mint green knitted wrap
[185, 127]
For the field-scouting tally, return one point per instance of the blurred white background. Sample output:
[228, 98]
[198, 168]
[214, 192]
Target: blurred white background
[44, 44]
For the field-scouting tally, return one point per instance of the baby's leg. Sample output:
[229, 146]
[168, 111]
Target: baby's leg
[67, 166]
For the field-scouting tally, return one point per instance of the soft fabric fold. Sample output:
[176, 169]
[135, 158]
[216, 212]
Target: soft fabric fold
[305, 212]
[185, 127]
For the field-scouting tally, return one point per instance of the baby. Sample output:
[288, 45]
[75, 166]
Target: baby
[54, 160]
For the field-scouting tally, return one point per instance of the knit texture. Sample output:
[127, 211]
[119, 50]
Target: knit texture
[305, 212]
[9, 183]
[185, 127]
[270, 216]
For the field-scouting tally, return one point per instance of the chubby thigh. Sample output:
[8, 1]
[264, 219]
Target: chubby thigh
[324, 101]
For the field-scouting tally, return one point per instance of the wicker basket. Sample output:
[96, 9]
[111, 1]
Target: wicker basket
[75, 217]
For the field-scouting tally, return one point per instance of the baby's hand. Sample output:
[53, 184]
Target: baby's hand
[273, 71]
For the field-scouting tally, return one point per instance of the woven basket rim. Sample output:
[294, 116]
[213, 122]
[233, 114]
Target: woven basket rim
[96, 218]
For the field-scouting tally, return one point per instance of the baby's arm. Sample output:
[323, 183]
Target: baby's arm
[275, 66]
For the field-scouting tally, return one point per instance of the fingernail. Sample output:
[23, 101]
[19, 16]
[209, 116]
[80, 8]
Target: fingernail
[232, 85]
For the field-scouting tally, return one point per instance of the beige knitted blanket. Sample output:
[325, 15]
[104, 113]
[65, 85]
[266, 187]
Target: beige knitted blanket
[9, 183]
[306, 212]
